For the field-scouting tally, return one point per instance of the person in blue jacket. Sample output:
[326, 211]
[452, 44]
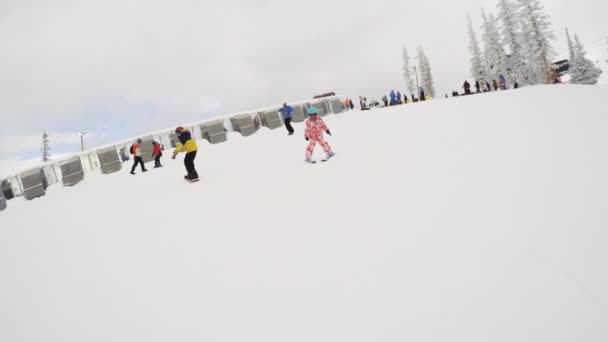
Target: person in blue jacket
[393, 98]
[422, 97]
[503, 82]
[286, 115]
[399, 98]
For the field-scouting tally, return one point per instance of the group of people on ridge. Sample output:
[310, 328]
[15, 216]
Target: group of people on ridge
[487, 87]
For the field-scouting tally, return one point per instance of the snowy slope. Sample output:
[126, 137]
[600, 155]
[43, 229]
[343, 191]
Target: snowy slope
[470, 219]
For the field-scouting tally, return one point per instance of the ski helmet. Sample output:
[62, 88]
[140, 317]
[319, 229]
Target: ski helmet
[139, 141]
[312, 111]
[179, 129]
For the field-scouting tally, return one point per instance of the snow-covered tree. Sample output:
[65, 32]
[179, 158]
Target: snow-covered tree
[510, 29]
[571, 54]
[536, 37]
[45, 149]
[582, 69]
[426, 74]
[494, 52]
[478, 69]
[407, 73]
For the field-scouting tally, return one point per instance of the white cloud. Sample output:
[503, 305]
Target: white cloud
[135, 65]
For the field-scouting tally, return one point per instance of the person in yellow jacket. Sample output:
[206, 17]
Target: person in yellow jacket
[187, 144]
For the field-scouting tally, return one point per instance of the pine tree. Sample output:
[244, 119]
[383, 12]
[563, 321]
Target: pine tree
[45, 148]
[536, 37]
[407, 73]
[494, 52]
[582, 69]
[477, 65]
[426, 75]
[571, 54]
[511, 39]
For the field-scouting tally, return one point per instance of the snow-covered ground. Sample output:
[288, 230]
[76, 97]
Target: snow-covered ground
[481, 218]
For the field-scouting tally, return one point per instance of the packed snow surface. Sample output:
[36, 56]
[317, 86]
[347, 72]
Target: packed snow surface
[481, 218]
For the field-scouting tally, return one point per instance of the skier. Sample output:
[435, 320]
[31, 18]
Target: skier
[187, 143]
[404, 98]
[488, 87]
[477, 87]
[315, 126]
[136, 151]
[399, 98]
[393, 98]
[156, 153]
[495, 84]
[352, 105]
[286, 114]
[515, 85]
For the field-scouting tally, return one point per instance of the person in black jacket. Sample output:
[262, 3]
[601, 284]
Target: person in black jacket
[477, 87]
[467, 87]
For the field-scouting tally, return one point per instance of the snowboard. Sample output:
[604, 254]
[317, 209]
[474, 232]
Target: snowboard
[191, 180]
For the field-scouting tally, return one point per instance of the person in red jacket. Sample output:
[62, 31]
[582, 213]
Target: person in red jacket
[157, 152]
[136, 150]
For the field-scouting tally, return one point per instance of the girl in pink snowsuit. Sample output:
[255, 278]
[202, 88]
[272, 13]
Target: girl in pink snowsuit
[315, 126]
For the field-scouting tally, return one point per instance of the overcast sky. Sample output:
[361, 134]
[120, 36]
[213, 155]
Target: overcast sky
[118, 68]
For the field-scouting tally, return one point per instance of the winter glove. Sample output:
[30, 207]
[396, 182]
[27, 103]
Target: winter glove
[328, 132]
[306, 138]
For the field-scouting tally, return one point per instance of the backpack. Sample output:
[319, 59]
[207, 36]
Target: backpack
[131, 149]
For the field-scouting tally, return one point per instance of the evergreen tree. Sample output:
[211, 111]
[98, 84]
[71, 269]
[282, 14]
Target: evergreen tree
[536, 38]
[571, 54]
[426, 74]
[407, 73]
[45, 148]
[494, 52]
[582, 69]
[511, 39]
[477, 65]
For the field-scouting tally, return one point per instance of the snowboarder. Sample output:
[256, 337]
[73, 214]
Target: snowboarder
[286, 114]
[156, 153]
[187, 143]
[315, 126]
[136, 151]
